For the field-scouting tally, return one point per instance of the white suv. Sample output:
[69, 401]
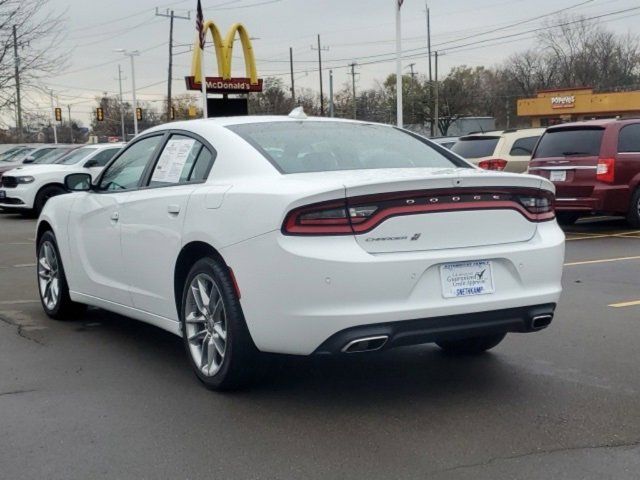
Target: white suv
[508, 150]
[27, 188]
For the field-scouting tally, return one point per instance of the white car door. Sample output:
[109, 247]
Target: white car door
[94, 225]
[152, 218]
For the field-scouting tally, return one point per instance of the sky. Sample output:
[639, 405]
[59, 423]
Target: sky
[465, 32]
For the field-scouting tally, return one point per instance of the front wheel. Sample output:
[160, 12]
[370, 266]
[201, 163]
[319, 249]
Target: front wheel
[44, 195]
[214, 331]
[471, 346]
[567, 218]
[52, 282]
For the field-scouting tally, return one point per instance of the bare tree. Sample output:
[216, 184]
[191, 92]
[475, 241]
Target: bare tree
[39, 33]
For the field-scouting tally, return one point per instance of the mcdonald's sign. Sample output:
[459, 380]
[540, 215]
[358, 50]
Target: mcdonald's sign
[223, 48]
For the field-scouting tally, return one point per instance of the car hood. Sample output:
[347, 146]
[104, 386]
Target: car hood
[33, 170]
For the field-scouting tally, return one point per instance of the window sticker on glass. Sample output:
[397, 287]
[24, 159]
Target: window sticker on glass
[172, 161]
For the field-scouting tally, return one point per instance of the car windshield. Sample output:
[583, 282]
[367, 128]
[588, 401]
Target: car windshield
[475, 147]
[571, 142]
[313, 146]
[52, 156]
[76, 156]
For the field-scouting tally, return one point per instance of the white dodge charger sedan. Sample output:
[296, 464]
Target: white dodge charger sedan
[302, 236]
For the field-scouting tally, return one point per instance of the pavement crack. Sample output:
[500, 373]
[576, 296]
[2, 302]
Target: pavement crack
[17, 392]
[20, 330]
[633, 443]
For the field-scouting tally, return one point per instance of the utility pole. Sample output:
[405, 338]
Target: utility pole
[331, 106]
[53, 119]
[399, 106]
[70, 127]
[132, 54]
[506, 105]
[320, 49]
[16, 60]
[124, 135]
[430, 77]
[171, 15]
[436, 114]
[413, 74]
[353, 89]
[293, 85]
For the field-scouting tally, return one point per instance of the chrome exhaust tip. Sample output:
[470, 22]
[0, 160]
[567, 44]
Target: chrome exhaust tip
[366, 344]
[540, 321]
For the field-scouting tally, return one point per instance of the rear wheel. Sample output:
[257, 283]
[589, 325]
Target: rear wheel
[52, 282]
[471, 346]
[44, 195]
[214, 331]
[633, 216]
[567, 218]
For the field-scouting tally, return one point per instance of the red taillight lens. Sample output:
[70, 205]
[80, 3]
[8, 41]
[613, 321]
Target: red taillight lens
[606, 170]
[493, 164]
[362, 214]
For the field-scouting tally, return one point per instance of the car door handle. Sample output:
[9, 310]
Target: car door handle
[173, 209]
[115, 216]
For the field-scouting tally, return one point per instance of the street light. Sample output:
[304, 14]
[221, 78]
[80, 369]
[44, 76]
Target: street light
[131, 54]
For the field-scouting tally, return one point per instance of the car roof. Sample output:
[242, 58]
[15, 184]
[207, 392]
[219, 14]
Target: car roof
[600, 122]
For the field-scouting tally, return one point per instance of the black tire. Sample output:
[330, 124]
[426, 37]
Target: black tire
[471, 346]
[238, 365]
[567, 218]
[64, 308]
[44, 195]
[633, 216]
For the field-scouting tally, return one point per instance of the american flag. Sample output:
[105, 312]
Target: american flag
[200, 25]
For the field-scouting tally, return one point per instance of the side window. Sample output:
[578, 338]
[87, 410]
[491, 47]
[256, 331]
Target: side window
[183, 160]
[524, 146]
[629, 139]
[127, 170]
[102, 158]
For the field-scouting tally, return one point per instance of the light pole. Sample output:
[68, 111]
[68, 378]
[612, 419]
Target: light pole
[131, 55]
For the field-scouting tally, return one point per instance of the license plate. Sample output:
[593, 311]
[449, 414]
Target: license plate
[558, 175]
[466, 279]
[3, 194]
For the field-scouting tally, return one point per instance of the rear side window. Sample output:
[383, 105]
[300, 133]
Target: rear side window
[183, 160]
[629, 139]
[475, 147]
[579, 142]
[523, 147]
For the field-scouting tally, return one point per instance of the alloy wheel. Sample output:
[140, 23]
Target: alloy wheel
[49, 275]
[205, 324]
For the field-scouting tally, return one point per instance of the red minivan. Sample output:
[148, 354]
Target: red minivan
[595, 166]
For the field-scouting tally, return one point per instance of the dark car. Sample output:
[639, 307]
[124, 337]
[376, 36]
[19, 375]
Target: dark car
[595, 167]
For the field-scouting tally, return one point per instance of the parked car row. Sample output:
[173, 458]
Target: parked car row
[595, 165]
[35, 174]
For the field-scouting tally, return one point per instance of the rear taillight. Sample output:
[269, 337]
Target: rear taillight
[606, 170]
[493, 164]
[362, 214]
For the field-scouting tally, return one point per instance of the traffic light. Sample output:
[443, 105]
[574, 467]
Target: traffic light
[58, 113]
[138, 114]
[99, 114]
[173, 113]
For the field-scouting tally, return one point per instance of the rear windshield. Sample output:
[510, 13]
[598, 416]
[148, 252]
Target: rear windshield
[583, 142]
[296, 147]
[476, 147]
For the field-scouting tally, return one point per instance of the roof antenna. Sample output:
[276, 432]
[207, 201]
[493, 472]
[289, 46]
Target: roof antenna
[298, 113]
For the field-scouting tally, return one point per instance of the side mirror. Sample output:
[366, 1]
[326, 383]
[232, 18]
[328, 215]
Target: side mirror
[78, 182]
[91, 163]
[28, 160]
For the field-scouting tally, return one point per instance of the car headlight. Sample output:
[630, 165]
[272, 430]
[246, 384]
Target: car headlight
[25, 179]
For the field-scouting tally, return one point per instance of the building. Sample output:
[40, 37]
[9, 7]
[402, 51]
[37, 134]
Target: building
[551, 107]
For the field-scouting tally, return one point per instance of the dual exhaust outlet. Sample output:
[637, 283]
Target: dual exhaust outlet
[373, 343]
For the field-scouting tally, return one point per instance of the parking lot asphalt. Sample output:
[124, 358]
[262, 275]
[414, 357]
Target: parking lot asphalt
[103, 396]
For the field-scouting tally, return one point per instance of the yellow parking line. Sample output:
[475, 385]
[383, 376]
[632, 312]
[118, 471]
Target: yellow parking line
[625, 304]
[604, 260]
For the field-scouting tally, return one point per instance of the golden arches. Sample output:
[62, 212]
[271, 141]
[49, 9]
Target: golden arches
[224, 51]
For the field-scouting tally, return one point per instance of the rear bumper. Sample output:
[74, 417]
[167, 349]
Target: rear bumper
[299, 291]
[454, 327]
[603, 199]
